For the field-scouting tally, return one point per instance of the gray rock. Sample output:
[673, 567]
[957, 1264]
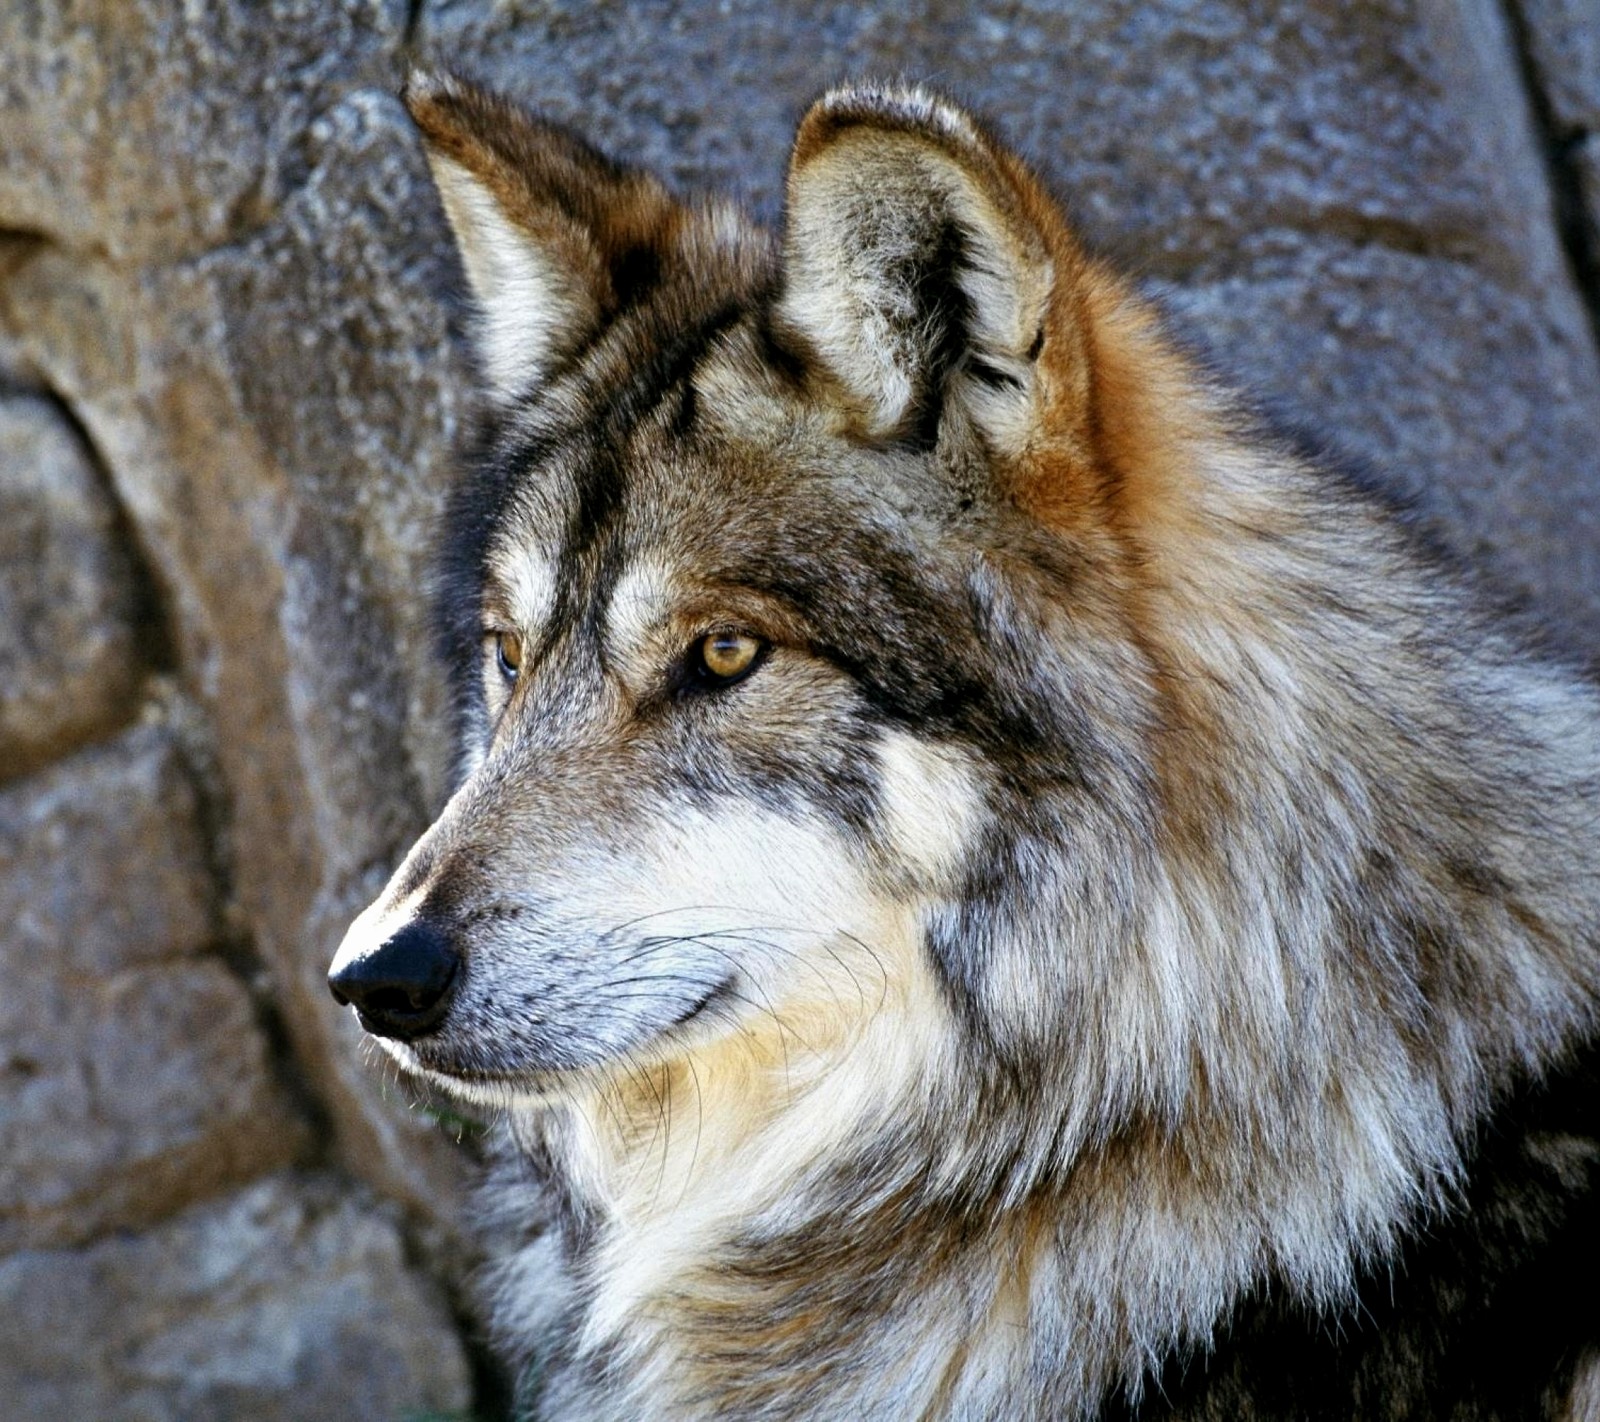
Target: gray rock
[145, 130]
[290, 1299]
[297, 595]
[364, 421]
[1563, 38]
[68, 654]
[103, 864]
[133, 1076]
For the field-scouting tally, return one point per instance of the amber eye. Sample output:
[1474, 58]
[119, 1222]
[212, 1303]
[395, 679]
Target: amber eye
[508, 654]
[727, 656]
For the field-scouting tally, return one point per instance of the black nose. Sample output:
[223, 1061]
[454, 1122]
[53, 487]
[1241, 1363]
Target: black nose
[403, 989]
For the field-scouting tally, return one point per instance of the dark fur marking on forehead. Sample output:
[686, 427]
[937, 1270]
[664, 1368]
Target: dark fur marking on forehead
[688, 408]
[635, 274]
[494, 471]
[590, 559]
[775, 352]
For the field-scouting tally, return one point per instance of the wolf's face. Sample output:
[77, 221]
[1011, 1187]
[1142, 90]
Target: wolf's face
[757, 609]
[688, 801]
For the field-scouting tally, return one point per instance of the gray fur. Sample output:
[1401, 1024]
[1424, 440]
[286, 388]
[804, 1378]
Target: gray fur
[1088, 914]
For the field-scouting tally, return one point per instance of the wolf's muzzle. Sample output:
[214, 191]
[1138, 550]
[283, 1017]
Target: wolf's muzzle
[403, 989]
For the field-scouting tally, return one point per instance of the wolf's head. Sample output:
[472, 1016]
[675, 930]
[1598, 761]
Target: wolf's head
[783, 610]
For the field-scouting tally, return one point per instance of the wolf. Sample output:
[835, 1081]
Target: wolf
[984, 882]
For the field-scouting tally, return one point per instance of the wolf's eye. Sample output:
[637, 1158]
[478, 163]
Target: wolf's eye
[508, 654]
[724, 657]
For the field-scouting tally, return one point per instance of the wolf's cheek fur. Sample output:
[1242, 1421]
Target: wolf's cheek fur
[930, 810]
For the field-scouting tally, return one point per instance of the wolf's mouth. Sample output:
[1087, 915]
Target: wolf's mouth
[721, 993]
[439, 1062]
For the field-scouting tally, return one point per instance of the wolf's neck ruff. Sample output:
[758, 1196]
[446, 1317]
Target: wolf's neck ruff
[1128, 876]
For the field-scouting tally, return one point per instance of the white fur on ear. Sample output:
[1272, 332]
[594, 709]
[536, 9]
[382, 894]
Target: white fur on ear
[909, 263]
[528, 299]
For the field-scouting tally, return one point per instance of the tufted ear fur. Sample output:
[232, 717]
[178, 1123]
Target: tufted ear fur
[924, 265]
[554, 236]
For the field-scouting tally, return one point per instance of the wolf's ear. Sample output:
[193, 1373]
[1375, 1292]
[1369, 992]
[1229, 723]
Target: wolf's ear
[922, 264]
[554, 236]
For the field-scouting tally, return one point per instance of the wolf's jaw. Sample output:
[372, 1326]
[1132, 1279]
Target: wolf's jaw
[540, 1091]
[480, 1088]
[712, 999]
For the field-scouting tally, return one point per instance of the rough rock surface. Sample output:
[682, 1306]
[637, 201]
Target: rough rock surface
[133, 1076]
[1564, 47]
[230, 382]
[68, 652]
[148, 130]
[291, 1298]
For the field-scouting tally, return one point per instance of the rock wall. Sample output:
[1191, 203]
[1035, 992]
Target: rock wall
[231, 378]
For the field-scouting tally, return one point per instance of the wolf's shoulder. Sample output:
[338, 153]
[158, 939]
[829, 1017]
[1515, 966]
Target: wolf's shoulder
[1488, 1309]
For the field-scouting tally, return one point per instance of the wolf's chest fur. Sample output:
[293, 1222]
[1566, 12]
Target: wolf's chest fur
[985, 883]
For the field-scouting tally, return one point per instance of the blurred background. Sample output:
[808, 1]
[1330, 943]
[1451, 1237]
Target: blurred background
[231, 379]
